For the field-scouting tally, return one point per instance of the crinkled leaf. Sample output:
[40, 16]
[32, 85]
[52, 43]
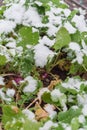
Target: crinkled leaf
[62, 38]
[29, 125]
[46, 97]
[67, 116]
[9, 113]
[76, 37]
[75, 124]
[2, 60]
[59, 127]
[28, 37]
[13, 120]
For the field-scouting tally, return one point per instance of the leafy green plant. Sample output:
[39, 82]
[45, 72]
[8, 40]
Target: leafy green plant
[24, 64]
[28, 37]
[62, 39]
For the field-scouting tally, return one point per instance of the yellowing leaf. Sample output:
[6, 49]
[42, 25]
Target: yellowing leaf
[40, 113]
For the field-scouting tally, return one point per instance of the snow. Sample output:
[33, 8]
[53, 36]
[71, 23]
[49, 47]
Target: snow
[46, 41]
[31, 17]
[67, 12]
[84, 110]
[48, 125]
[29, 114]
[74, 46]
[42, 53]
[11, 44]
[68, 128]
[50, 110]
[15, 13]
[38, 3]
[80, 22]
[6, 26]
[55, 95]
[31, 86]
[4, 51]
[2, 81]
[81, 119]
[69, 27]
[10, 92]
[72, 83]
[82, 99]
[78, 52]
[52, 30]
[3, 96]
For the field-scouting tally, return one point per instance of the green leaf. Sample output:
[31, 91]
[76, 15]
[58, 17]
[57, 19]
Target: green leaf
[84, 36]
[28, 37]
[72, 91]
[62, 38]
[67, 116]
[29, 125]
[9, 114]
[13, 120]
[76, 37]
[76, 68]
[46, 97]
[72, 14]
[59, 127]
[85, 61]
[2, 60]
[75, 124]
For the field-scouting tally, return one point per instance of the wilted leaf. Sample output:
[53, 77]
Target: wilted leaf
[40, 113]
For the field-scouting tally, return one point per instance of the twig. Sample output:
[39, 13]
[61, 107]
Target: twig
[32, 103]
[10, 74]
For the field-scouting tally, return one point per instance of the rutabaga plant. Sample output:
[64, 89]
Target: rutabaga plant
[31, 31]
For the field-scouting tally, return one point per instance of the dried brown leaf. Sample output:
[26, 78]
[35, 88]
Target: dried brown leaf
[40, 113]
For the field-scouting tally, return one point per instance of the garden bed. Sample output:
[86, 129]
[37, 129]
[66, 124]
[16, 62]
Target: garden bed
[43, 65]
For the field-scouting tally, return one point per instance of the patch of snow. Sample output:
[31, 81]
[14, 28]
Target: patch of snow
[46, 41]
[15, 13]
[42, 53]
[2, 81]
[10, 92]
[52, 30]
[31, 17]
[79, 54]
[84, 110]
[6, 26]
[3, 96]
[29, 114]
[48, 125]
[80, 22]
[31, 86]
[67, 12]
[4, 51]
[50, 109]
[81, 119]
[72, 84]
[55, 95]
[11, 44]
[38, 3]
[69, 27]
[82, 99]
[74, 46]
